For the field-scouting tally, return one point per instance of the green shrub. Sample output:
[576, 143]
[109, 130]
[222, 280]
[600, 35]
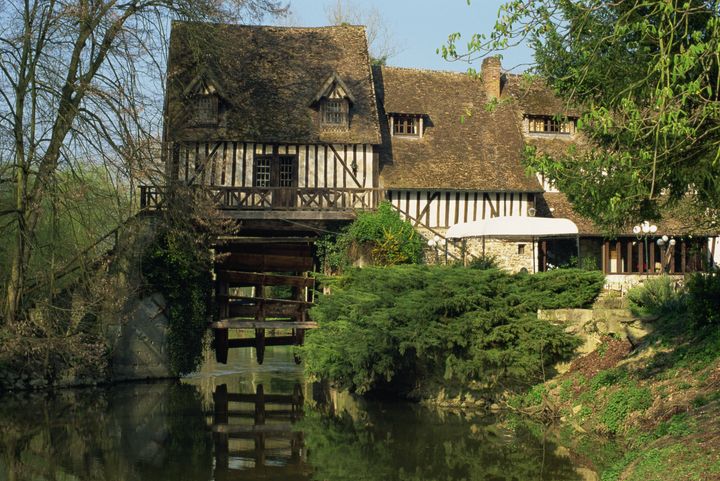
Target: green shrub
[656, 297]
[704, 298]
[180, 269]
[484, 262]
[383, 234]
[392, 328]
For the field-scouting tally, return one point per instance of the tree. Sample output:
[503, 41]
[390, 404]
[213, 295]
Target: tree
[647, 75]
[76, 89]
[380, 39]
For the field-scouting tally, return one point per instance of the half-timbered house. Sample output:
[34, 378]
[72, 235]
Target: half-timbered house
[293, 124]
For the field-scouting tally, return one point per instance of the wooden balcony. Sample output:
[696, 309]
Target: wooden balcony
[277, 202]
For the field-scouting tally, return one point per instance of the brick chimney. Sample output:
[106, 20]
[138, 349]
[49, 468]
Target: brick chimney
[491, 76]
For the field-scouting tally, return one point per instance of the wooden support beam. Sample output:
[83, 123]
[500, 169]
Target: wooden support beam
[261, 300]
[629, 260]
[278, 249]
[262, 263]
[221, 345]
[284, 429]
[269, 341]
[240, 279]
[642, 268]
[267, 398]
[618, 254]
[263, 310]
[234, 323]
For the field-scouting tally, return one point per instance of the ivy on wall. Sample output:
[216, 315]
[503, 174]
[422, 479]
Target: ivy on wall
[178, 265]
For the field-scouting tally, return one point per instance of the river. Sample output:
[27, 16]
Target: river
[242, 421]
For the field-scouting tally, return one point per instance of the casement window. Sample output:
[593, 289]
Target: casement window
[546, 124]
[406, 125]
[334, 113]
[205, 109]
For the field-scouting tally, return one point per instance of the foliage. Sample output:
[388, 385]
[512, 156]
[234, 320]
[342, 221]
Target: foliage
[621, 403]
[81, 88]
[654, 128]
[395, 327]
[704, 298]
[179, 267]
[656, 297]
[484, 262]
[383, 234]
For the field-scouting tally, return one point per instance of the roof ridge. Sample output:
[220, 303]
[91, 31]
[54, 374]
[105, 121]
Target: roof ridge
[266, 27]
[425, 70]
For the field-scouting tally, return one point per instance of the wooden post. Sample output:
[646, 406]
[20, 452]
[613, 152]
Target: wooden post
[651, 262]
[683, 257]
[220, 416]
[606, 257]
[221, 345]
[641, 258]
[630, 266]
[618, 255]
[221, 335]
[260, 345]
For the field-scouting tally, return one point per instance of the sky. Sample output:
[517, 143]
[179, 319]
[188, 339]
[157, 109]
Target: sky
[419, 27]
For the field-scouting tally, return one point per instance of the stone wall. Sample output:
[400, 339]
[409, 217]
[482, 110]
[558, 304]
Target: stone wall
[624, 282]
[139, 343]
[511, 254]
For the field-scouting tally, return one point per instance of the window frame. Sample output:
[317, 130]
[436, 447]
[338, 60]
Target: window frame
[335, 118]
[406, 125]
[550, 125]
[209, 111]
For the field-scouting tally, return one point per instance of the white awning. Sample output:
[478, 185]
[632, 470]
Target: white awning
[514, 227]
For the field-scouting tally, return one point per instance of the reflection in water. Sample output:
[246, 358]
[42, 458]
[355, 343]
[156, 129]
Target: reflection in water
[249, 422]
[257, 437]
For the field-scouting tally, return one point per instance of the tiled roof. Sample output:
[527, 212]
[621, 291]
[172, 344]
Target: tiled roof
[268, 77]
[465, 145]
[682, 219]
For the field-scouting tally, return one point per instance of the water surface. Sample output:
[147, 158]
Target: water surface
[248, 422]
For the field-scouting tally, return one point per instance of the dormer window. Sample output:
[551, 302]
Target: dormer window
[203, 96]
[547, 124]
[205, 110]
[406, 125]
[334, 101]
[335, 112]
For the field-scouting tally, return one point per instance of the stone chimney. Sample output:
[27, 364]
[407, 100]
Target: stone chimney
[491, 76]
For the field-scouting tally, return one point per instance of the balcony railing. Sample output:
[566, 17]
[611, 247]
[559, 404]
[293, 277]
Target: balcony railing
[275, 198]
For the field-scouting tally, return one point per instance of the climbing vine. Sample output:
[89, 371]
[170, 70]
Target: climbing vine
[178, 265]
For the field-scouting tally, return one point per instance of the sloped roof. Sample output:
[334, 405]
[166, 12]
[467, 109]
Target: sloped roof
[534, 97]
[270, 76]
[464, 146]
[682, 219]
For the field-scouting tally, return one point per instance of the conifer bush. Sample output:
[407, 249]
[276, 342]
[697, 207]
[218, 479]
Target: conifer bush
[395, 328]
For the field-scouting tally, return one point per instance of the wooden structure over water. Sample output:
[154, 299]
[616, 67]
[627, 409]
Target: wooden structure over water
[278, 291]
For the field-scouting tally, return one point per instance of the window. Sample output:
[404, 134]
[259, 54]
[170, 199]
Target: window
[521, 248]
[286, 171]
[545, 124]
[335, 113]
[262, 170]
[405, 125]
[205, 109]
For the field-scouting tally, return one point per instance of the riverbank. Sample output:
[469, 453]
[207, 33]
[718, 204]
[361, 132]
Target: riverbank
[660, 400]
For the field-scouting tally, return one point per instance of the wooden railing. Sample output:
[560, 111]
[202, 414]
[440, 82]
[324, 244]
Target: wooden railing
[276, 198]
